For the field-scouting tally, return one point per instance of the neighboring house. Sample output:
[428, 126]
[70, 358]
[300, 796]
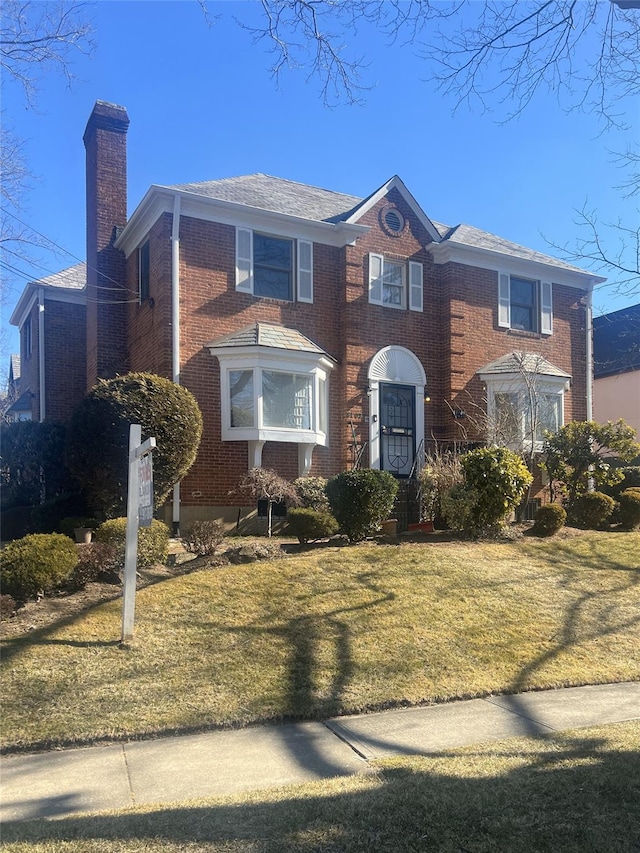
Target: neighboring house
[320, 330]
[15, 406]
[51, 377]
[616, 351]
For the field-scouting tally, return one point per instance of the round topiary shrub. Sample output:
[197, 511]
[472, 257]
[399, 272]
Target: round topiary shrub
[591, 510]
[549, 519]
[361, 500]
[153, 541]
[37, 564]
[629, 508]
[203, 537]
[98, 436]
[308, 524]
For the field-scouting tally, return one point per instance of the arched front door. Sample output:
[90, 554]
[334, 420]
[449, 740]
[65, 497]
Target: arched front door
[397, 428]
[396, 412]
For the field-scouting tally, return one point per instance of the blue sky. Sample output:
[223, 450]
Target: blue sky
[203, 105]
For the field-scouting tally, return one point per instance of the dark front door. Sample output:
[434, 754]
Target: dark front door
[397, 428]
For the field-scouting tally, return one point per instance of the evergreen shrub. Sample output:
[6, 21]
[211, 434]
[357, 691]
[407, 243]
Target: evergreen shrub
[312, 492]
[549, 519]
[308, 524]
[629, 508]
[153, 541]
[591, 510]
[36, 564]
[361, 500]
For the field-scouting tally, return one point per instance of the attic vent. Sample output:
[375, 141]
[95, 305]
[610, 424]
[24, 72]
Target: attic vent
[393, 220]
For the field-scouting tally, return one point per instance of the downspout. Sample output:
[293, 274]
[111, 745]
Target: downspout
[175, 332]
[41, 358]
[589, 365]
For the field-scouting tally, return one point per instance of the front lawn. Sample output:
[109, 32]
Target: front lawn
[575, 792]
[331, 631]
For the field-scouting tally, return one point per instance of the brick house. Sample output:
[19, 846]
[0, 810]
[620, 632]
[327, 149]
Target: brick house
[51, 376]
[318, 330]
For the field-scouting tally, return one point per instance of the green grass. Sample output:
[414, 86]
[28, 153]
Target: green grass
[577, 793]
[332, 631]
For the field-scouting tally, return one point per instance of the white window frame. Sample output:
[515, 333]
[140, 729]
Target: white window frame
[545, 386]
[301, 272]
[543, 307]
[412, 282]
[316, 367]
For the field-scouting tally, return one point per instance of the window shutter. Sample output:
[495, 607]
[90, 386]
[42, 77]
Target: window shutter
[546, 307]
[415, 286]
[504, 300]
[305, 271]
[244, 260]
[376, 266]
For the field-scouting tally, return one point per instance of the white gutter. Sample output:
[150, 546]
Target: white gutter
[175, 331]
[41, 359]
[589, 359]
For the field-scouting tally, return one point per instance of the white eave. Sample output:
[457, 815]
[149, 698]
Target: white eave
[457, 252]
[31, 292]
[159, 200]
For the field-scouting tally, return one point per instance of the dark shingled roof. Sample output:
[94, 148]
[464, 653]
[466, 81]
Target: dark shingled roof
[518, 362]
[268, 335]
[616, 342]
[278, 195]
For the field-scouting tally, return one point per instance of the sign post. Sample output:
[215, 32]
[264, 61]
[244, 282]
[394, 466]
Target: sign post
[139, 514]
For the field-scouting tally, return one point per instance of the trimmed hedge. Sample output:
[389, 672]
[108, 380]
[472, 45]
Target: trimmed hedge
[591, 510]
[37, 564]
[549, 519]
[153, 541]
[308, 524]
[629, 508]
[361, 500]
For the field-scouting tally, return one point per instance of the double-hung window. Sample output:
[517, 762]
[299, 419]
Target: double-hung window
[395, 284]
[525, 304]
[272, 266]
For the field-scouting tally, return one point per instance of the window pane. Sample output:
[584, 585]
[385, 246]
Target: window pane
[272, 267]
[523, 304]
[508, 426]
[241, 393]
[549, 416]
[393, 283]
[286, 400]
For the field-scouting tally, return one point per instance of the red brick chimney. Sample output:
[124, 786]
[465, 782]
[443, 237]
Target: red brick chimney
[105, 141]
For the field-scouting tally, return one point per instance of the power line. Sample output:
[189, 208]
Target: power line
[118, 287]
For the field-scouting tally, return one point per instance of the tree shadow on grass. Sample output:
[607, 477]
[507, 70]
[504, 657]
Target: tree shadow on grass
[574, 795]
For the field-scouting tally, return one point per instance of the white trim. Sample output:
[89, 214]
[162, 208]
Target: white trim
[41, 356]
[175, 327]
[589, 357]
[396, 183]
[449, 251]
[546, 308]
[416, 286]
[304, 270]
[159, 200]
[398, 365]
[259, 359]
[29, 298]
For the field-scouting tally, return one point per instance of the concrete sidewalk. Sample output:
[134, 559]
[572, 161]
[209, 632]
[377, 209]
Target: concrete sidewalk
[175, 769]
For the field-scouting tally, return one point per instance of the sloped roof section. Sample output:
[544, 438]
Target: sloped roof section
[73, 278]
[522, 362]
[277, 195]
[467, 235]
[268, 335]
[616, 342]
